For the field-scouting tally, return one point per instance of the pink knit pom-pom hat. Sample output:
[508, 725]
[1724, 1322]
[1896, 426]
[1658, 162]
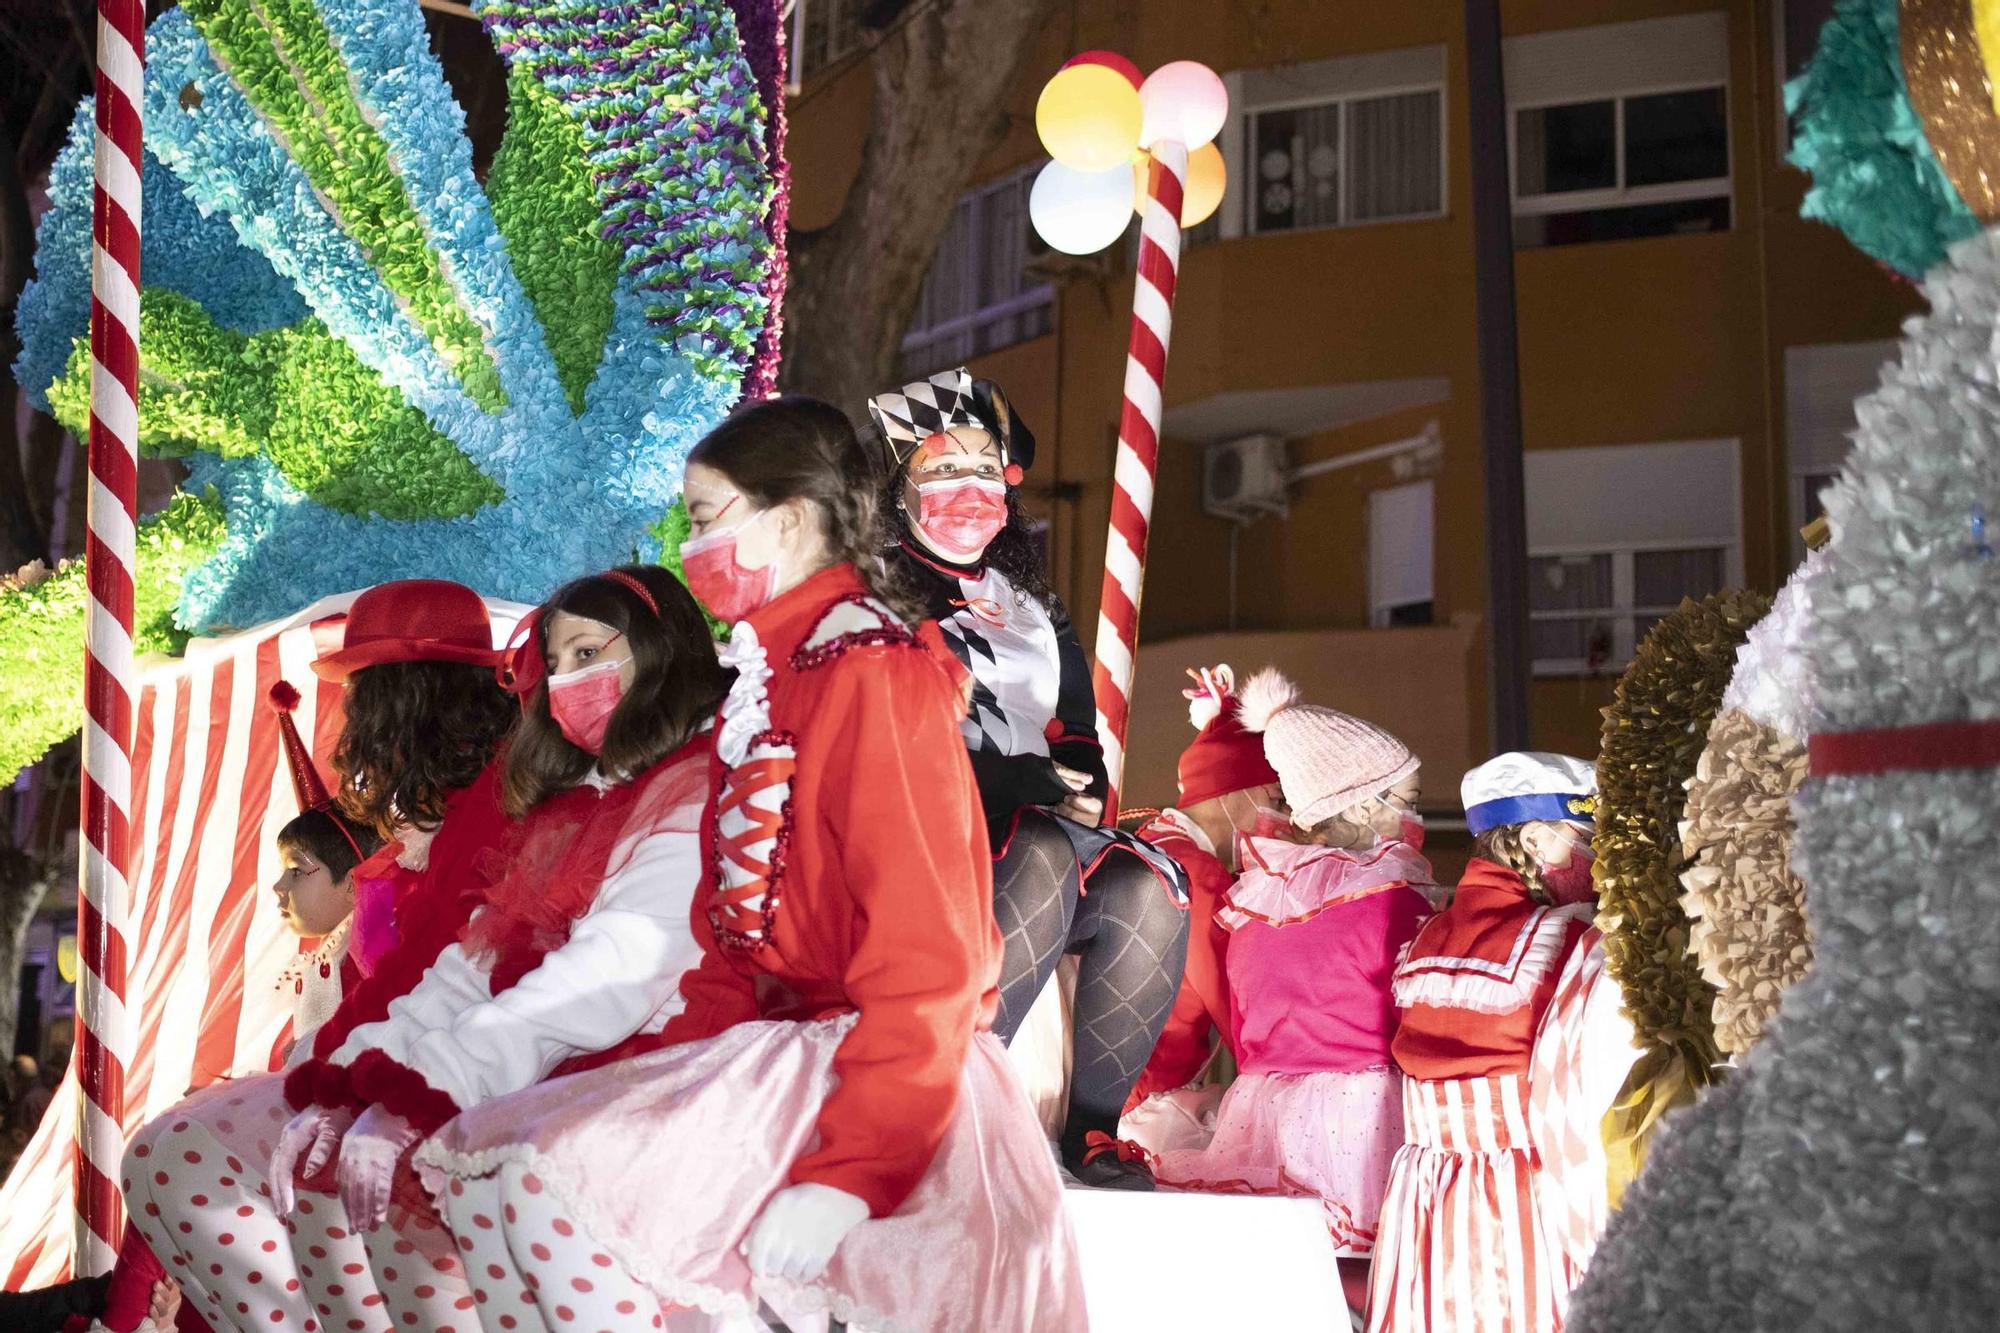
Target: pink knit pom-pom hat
[1327, 761]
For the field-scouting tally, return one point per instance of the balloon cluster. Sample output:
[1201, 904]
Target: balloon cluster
[1100, 120]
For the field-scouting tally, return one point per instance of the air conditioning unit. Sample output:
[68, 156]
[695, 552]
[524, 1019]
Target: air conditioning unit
[1244, 479]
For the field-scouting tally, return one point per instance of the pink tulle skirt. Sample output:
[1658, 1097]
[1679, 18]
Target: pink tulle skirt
[667, 1159]
[1328, 1135]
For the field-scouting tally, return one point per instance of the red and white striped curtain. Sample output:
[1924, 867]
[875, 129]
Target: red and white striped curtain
[209, 794]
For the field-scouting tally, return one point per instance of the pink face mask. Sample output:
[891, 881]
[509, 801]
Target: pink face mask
[1571, 882]
[582, 702]
[1412, 834]
[727, 589]
[961, 517]
[1272, 824]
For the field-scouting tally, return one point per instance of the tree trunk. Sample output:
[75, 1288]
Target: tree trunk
[942, 80]
[23, 885]
[22, 538]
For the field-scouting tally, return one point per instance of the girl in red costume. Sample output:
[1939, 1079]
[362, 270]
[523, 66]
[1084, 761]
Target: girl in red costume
[572, 961]
[1509, 1062]
[837, 1128]
[423, 719]
[1227, 789]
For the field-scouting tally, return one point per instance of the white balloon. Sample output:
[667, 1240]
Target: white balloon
[1081, 212]
[1184, 102]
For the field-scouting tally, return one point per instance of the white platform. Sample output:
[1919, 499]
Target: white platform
[1205, 1263]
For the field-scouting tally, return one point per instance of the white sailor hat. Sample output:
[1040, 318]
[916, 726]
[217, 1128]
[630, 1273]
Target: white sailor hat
[1522, 786]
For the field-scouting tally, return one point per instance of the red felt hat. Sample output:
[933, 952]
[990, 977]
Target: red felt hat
[1224, 758]
[412, 620]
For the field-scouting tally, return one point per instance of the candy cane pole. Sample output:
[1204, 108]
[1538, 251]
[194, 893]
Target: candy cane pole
[1138, 456]
[103, 1043]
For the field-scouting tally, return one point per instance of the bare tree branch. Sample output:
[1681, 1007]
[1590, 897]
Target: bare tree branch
[942, 76]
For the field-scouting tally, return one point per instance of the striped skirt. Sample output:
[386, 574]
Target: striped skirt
[1457, 1247]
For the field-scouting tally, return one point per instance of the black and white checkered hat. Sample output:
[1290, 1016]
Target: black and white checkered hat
[904, 418]
[910, 415]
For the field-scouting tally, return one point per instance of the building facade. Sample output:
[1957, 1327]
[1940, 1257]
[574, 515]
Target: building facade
[1689, 347]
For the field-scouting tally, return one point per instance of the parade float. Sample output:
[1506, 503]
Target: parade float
[1839, 1177]
[375, 364]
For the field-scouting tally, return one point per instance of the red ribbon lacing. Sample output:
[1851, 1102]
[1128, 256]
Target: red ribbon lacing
[1925, 748]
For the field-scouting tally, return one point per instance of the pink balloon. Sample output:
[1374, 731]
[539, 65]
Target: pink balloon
[1110, 60]
[1184, 102]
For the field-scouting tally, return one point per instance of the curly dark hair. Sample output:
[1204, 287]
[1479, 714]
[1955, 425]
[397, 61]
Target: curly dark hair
[676, 683]
[797, 447]
[415, 733]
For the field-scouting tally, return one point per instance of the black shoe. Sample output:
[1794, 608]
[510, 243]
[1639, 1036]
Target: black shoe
[1112, 1164]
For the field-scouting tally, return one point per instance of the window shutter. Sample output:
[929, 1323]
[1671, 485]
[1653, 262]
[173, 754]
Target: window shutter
[1584, 64]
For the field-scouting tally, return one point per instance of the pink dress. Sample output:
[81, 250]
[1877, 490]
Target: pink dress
[1316, 1110]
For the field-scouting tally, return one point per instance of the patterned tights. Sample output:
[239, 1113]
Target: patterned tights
[1131, 938]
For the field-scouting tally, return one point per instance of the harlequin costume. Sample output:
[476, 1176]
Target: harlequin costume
[836, 1032]
[1060, 886]
[202, 1163]
[1490, 1212]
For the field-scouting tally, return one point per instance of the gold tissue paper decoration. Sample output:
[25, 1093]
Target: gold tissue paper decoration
[1745, 905]
[1654, 734]
[1947, 67]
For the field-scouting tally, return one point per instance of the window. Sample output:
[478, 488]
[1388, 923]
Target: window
[1603, 567]
[1620, 131]
[1362, 159]
[979, 295]
[823, 31]
[1335, 143]
[1799, 22]
[1399, 554]
[1821, 384]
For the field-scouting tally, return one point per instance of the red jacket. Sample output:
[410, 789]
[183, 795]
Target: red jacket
[1479, 976]
[1201, 1009]
[848, 870]
[428, 918]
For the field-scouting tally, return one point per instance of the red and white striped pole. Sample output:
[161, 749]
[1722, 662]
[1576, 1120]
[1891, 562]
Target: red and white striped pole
[103, 1034]
[1138, 455]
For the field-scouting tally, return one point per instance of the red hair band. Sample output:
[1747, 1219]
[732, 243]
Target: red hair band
[1927, 747]
[644, 593]
[521, 667]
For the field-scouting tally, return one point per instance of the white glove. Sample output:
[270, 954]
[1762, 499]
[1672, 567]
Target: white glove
[313, 1134]
[800, 1228]
[368, 1158]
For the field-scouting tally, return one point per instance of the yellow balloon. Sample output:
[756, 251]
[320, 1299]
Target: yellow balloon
[1201, 193]
[1088, 117]
[66, 967]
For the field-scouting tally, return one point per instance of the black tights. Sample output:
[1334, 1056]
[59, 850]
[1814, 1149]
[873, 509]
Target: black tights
[1132, 942]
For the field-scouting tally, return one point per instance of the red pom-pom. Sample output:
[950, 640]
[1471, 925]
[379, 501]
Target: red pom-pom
[1013, 474]
[284, 696]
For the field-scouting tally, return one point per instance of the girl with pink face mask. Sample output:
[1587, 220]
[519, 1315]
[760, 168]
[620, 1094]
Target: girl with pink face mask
[1497, 994]
[1316, 921]
[950, 451]
[574, 957]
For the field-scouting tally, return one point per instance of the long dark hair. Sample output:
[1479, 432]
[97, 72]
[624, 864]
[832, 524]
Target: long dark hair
[415, 733]
[317, 833]
[800, 448]
[676, 683]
